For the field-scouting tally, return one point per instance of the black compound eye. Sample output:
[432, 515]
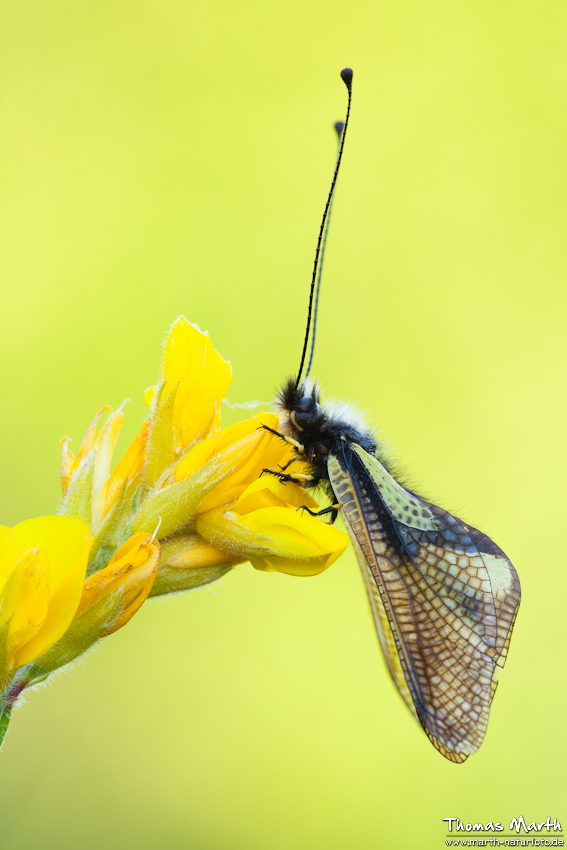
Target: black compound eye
[306, 412]
[305, 404]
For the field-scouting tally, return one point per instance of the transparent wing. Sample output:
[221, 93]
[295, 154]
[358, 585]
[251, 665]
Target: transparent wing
[385, 636]
[443, 595]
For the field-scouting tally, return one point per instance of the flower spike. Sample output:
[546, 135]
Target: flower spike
[184, 505]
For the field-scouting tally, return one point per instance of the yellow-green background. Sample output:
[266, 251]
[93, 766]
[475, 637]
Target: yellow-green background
[173, 157]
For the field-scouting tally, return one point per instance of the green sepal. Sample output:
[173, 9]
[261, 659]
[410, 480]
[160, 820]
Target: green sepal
[175, 580]
[175, 504]
[160, 453]
[116, 528]
[174, 546]
[137, 498]
[230, 535]
[102, 559]
[111, 535]
[78, 501]
[81, 634]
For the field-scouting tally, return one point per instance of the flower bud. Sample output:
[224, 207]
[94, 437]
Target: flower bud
[130, 573]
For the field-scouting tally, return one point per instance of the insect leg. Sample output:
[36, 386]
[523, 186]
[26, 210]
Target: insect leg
[288, 464]
[284, 477]
[332, 509]
[287, 439]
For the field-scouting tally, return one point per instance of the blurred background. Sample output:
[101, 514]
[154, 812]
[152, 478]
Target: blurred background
[174, 157]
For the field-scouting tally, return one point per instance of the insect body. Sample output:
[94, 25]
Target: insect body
[443, 596]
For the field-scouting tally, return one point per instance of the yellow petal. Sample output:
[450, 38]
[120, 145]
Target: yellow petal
[224, 498]
[269, 491]
[228, 465]
[290, 566]
[262, 498]
[26, 601]
[229, 532]
[306, 545]
[216, 424]
[246, 448]
[64, 538]
[88, 439]
[197, 457]
[262, 565]
[128, 468]
[149, 395]
[67, 465]
[104, 449]
[203, 378]
[189, 551]
[237, 455]
[299, 529]
[66, 541]
[279, 538]
[245, 433]
[78, 499]
[187, 562]
[131, 571]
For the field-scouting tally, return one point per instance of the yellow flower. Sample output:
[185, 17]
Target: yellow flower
[245, 449]
[265, 527]
[130, 574]
[215, 472]
[107, 600]
[42, 569]
[200, 489]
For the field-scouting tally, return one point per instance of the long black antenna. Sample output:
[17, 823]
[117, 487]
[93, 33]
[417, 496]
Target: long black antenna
[339, 128]
[346, 76]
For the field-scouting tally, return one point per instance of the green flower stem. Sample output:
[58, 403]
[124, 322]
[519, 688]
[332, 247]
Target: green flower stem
[7, 701]
[4, 723]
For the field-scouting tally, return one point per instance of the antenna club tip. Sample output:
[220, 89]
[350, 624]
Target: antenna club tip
[339, 127]
[346, 76]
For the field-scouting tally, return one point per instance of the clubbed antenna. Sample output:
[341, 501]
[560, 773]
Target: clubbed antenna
[346, 75]
[339, 127]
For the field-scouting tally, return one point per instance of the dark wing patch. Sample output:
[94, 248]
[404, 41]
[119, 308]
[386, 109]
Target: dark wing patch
[448, 594]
